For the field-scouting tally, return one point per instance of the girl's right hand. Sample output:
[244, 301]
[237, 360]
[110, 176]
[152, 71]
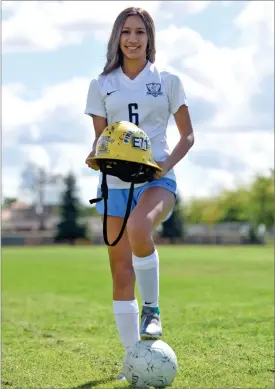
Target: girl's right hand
[92, 163]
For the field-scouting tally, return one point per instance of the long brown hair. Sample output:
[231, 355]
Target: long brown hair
[114, 54]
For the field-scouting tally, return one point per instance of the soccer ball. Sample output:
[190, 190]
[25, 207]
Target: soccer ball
[150, 363]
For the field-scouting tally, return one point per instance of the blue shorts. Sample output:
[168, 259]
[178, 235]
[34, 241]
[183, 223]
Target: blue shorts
[118, 198]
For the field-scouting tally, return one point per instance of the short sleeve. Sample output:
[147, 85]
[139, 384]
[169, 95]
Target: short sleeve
[176, 94]
[94, 103]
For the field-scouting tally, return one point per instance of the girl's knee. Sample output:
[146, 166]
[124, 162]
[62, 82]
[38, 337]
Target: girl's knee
[138, 229]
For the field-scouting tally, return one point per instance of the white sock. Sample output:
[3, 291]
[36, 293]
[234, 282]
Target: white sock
[127, 321]
[147, 277]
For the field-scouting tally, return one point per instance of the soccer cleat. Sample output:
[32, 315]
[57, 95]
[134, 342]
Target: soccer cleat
[150, 327]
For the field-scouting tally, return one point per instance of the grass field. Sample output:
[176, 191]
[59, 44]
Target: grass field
[58, 329]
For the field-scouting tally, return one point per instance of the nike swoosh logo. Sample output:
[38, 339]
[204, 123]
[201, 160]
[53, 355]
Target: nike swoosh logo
[109, 93]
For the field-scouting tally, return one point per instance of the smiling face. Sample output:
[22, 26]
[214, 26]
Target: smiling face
[134, 39]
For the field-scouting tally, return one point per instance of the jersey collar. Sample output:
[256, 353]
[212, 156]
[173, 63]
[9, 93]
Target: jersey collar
[138, 78]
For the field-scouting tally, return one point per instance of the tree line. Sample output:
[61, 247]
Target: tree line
[253, 204]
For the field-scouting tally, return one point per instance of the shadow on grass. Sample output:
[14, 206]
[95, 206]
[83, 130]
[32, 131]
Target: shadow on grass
[93, 384]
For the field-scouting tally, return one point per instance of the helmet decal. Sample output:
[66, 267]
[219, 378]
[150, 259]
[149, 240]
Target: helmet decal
[103, 144]
[127, 137]
[141, 143]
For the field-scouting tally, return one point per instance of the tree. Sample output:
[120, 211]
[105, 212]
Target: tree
[8, 201]
[88, 211]
[261, 202]
[233, 205]
[253, 204]
[173, 227]
[35, 180]
[68, 229]
[195, 211]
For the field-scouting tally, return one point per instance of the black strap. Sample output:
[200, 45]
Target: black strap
[127, 213]
[104, 197]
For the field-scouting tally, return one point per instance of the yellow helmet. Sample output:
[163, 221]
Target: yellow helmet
[123, 150]
[124, 141]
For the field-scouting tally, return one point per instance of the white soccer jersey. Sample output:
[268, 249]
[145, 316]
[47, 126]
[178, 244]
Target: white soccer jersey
[147, 101]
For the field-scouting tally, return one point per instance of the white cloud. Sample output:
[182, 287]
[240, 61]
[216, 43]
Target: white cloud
[172, 9]
[227, 160]
[254, 150]
[54, 131]
[15, 107]
[227, 77]
[8, 5]
[10, 182]
[51, 131]
[195, 6]
[58, 113]
[38, 155]
[255, 15]
[48, 25]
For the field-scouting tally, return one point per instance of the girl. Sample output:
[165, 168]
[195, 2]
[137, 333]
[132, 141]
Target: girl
[132, 88]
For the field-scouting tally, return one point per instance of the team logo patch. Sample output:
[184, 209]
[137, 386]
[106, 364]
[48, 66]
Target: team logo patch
[154, 89]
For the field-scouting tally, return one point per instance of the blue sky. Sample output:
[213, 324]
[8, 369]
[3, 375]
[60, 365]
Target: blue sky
[223, 52]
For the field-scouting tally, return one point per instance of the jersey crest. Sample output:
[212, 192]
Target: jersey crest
[154, 89]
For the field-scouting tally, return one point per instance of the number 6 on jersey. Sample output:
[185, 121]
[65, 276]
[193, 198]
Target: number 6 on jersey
[133, 115]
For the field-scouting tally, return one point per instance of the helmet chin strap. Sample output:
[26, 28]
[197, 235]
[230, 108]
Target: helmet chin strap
[104, 197]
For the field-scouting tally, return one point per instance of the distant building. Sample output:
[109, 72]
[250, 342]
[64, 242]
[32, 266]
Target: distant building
[23, 217]
[20, 226]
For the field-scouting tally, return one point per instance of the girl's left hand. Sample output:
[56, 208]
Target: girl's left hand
[164, 167]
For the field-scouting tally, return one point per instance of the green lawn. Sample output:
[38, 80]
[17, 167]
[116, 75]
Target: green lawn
[58, 329]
